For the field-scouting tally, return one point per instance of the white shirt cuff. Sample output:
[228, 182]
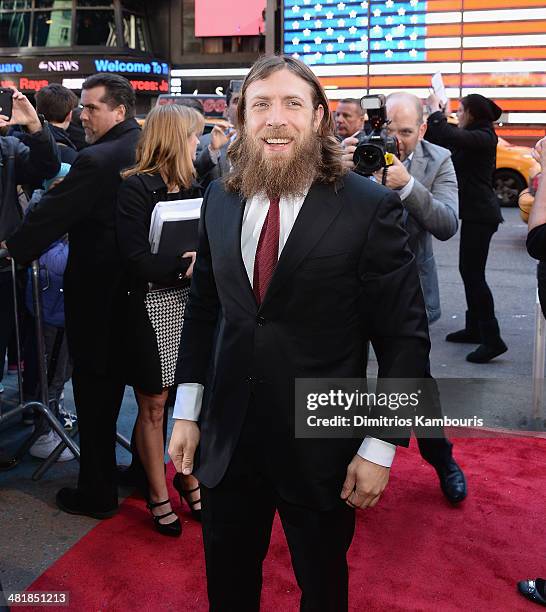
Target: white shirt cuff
[189, 397]
[214, 156]
[376, 450]
[406, 189]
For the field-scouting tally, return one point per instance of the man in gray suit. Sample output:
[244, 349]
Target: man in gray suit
[425, 180]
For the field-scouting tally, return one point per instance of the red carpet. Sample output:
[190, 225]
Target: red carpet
[412, 552]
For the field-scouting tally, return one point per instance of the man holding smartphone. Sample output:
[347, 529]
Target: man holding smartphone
[32, 162]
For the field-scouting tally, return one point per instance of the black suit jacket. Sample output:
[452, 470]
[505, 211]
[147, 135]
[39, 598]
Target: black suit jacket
[474, 154]
[345, 274]
[84, 205]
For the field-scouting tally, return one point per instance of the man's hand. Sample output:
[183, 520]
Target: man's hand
[23, 114]
[349, 146]
[220, 135]
[364, 483]
[183, 444]
[397, 175]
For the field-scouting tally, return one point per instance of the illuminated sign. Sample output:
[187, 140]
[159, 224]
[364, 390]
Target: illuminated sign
[7, 68]
[140, 85]
[60, 66]
[110, 65]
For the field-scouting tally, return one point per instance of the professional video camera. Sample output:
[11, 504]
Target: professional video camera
[375, 150]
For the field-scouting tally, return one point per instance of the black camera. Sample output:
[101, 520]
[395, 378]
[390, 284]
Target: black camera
[376, 149]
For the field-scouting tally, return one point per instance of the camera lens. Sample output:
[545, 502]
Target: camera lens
[368, 158]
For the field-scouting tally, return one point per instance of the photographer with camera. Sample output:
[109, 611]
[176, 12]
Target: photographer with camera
[423, 175]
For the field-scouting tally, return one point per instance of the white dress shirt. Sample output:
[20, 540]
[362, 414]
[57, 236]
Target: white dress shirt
[189, 396]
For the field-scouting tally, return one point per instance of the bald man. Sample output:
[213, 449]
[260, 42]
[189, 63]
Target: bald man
[425, 180]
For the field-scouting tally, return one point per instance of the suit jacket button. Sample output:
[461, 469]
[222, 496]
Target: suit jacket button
[250, 379]
[260, 320]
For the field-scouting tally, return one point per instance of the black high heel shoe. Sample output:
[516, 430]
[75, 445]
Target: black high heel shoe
[185, 494]
[170, 529]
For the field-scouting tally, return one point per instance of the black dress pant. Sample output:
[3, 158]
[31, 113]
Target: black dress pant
[473, 253]
[237, 517]
[98, 400]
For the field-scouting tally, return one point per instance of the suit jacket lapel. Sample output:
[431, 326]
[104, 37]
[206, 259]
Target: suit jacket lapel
[418, 163]
[233, 211]
[320, 208]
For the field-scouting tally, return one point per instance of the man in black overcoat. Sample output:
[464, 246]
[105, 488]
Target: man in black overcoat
[84, 206]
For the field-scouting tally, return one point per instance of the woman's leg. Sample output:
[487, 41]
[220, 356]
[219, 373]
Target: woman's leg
[150, 445]
[474, 250]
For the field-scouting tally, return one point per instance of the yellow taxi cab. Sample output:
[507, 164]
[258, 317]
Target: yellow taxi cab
[515, 169]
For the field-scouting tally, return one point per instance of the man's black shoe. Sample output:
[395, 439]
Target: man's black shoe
[452, 482]
[69, 500]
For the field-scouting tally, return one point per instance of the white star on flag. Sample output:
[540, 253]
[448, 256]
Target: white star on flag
[341, 39]
[388, 53]
[413, 36]
[364, 22]
[414, 2]
[388, 38]
[364, 54]
[329, 47]
[413, 19]
[376, 46]
[401, 45]
[295, 25]
[401, 11]
[377, 13]
[340, 54]
[389, 20]
[296, 9]
[318, 7]
[341, 23]
[364, 5]
[329, 15]
[352, 30]
[377, 29]
[306, 16]
[318, 24]
[306, 48]
[352, 47]
[413, 53]
[318, 54]
[389, 4]
[307, 32]
[295, 41]
[352, 14]
[318, 40]
[341, 6]
[329, 31]
[363, 37]
[296, 55]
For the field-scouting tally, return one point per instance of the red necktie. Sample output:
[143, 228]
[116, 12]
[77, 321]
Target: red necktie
[267, 251]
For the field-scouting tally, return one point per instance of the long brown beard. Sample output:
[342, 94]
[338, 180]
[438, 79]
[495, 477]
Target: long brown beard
[278, 176]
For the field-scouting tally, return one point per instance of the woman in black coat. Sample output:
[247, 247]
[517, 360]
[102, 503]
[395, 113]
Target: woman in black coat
[163, 171]
[473, 145]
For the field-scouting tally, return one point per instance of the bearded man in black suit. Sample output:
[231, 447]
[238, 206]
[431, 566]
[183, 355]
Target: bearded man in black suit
[298, 263]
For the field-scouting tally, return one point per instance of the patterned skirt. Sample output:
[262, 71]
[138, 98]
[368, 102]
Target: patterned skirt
[165, 308]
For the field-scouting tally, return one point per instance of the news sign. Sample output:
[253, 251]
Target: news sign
[147, 76]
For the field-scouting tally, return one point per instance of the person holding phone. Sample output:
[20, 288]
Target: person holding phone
[29, 162]
[473, 145]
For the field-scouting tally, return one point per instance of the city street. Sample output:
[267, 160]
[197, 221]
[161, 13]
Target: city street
[35, 532]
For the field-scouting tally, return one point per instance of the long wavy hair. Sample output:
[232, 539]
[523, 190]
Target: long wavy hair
[164, 145]
[330, 167]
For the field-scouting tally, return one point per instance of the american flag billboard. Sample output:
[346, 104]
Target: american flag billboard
[493, 47]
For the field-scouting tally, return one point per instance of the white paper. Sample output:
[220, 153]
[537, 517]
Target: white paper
[176, 210]
[438, 87]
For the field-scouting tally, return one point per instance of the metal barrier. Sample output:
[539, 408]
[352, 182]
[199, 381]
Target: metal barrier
[41, 406]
